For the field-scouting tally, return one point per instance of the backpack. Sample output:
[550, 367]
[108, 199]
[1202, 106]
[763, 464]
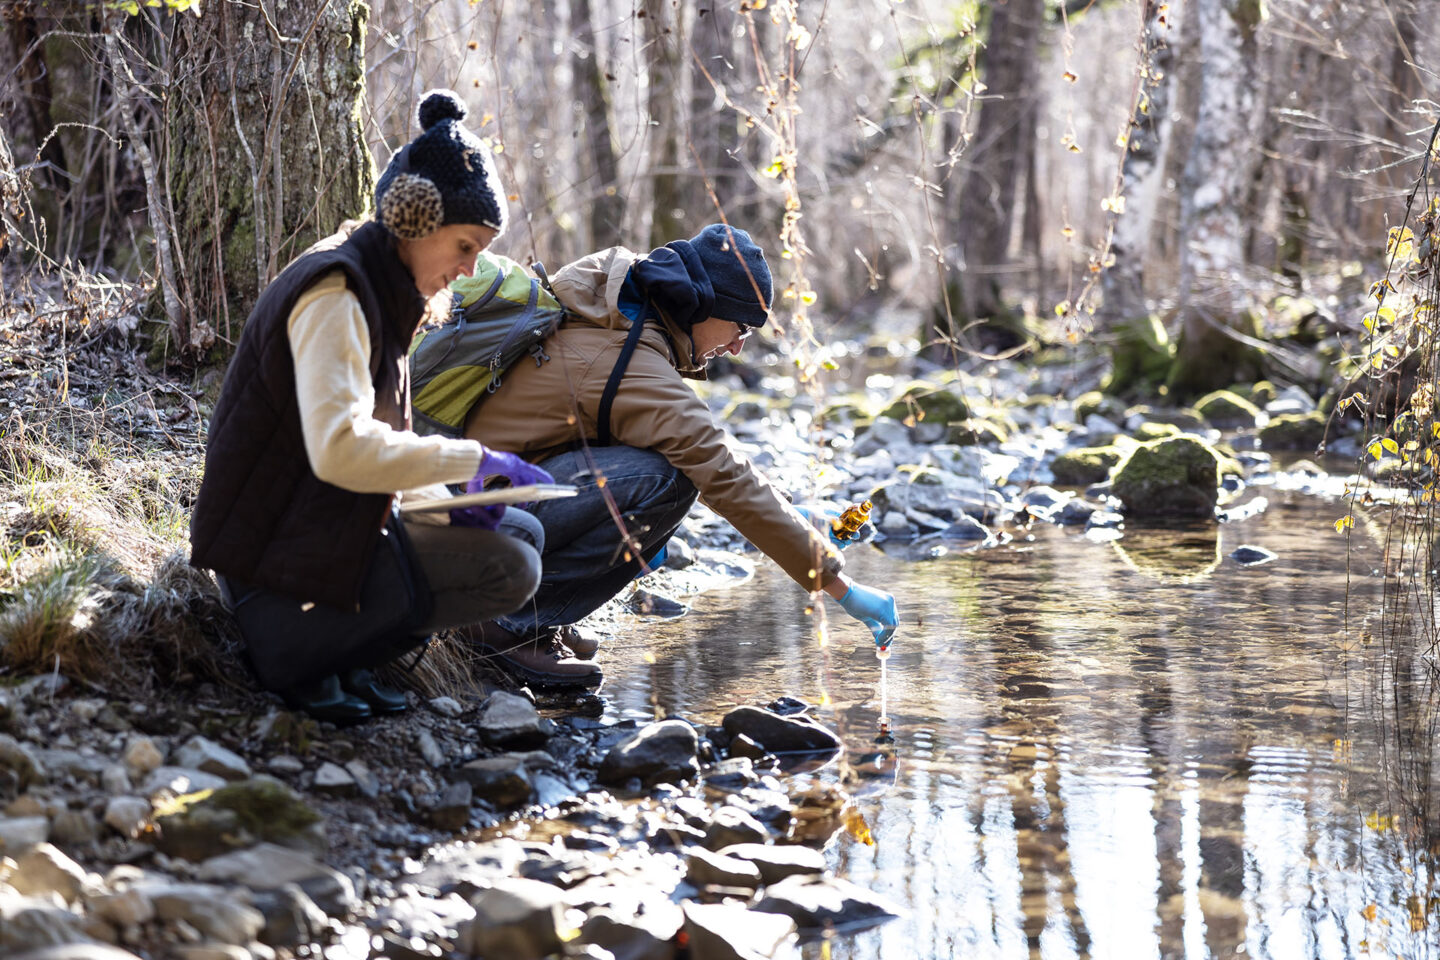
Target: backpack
[501, 313]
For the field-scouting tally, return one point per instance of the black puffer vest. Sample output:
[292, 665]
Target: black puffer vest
[262, 516]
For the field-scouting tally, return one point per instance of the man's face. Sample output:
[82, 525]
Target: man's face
[716, 337]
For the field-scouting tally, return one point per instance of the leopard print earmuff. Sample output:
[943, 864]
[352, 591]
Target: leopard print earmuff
[412, 207]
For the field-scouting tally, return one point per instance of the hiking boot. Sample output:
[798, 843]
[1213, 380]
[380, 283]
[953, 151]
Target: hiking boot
[582, 643]
[363, 684]
[325, 700]
[541, 662]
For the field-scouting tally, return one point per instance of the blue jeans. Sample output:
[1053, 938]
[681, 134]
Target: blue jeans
[584, 562]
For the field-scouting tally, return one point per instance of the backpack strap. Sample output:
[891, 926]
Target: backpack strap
[607, 399]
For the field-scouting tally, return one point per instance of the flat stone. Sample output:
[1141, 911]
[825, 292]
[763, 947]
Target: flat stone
[826, 903]
[447, 707]
[507, 720]
[285, 766]
[705, 868]
[1250, 556]
[128, 908]
[728, 931]
[624, 936]
[333, 780]
[365, 780]
[501, 780]
[453, 811]
[731, 825]
[74, 828]
[33, 923]
[780, 735]
[429, 750]
[199, 753]
[775, 863]
[45, 869]
[211, 910]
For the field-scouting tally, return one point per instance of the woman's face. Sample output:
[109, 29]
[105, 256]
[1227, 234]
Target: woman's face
[715, 337]
[436, 259]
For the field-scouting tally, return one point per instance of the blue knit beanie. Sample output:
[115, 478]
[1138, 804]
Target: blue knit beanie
[737, 268]
[442, 177]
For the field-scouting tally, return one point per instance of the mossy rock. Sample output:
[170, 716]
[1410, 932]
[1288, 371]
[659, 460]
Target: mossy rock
[1174, 477]
[1397, 472]
[205, 824]
[1226, 408]
[975, 431]
[1261, 392]
[1087, 465]
[1094, 401]
[1148, 431]
[843, 412]
[1294, 431]
[924, 402]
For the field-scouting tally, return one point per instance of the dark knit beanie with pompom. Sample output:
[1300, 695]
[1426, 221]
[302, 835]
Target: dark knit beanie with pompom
[442, 177]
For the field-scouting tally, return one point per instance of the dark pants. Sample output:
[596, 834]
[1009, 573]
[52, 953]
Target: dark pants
[585, 560]
[431, 578]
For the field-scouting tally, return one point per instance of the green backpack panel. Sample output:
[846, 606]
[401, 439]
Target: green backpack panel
[501, 313]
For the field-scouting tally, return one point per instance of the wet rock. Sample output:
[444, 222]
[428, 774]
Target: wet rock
[115, 779]
[285, 766]
[1226, 409]
[1249, 556]
[179, 781]
[966, 528]
[884, 433]
[333, 780]
[517, 919]
[20, 761]
[661, 752]
[211, 910]
[1076, 512]
[895, 525]
[446, 707]
[502, 781]
[74, 951]
[787, 706]
[1295, 431]
[210, 951]
[199, 753]
[44, 869]
[728, 931]
[925, 403]
[678, 554]
[1099, 430]
[1175, 477]
[777, 863]
[1291, 400]
[817, 904]
[1182, 417]
[743, 746]
[240, 815]
[508, 721]
[1104, 520]
[703, 868]
[1155, 431]
[21, 833]
[780, 735]
[1078, 468]
[648, 603]
[291, 917]
[626, 939]
[453, 811]
[127, 816]
[975, 431]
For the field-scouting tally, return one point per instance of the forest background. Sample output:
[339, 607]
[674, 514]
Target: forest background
[992, 175]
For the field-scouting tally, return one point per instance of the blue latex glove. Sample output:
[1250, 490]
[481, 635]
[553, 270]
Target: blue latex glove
[875, 609]
[825, 515]
[655, 562]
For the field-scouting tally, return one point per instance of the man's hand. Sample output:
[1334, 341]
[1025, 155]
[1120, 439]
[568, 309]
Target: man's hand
[874, 608]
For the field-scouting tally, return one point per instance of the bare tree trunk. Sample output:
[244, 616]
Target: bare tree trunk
[662, 34]
[714, 127]
[266, 153]
[599, 160]
[1141, 349]
[1218, 326]
[987, 204]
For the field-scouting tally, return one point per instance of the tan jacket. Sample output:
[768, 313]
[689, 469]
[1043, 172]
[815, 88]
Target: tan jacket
[544, 410]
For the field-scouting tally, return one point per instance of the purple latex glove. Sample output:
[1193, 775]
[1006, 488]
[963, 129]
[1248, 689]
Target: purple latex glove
[498, 463]
[485, 518]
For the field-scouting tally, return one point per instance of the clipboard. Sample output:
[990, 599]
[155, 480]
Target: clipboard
[525, 494]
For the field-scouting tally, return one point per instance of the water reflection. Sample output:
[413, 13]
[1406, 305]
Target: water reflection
[1140, 749]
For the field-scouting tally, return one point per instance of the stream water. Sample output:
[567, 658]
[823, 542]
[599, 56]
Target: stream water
[1122, 750]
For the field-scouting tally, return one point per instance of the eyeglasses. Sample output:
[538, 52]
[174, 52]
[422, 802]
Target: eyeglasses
[745, 331]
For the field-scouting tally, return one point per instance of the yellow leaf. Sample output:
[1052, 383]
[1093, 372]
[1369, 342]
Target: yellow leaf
[1400, 242]
[1375, 450]
[1390, 445]
[1069, 77]
[1369, 912]
[1344, 523]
